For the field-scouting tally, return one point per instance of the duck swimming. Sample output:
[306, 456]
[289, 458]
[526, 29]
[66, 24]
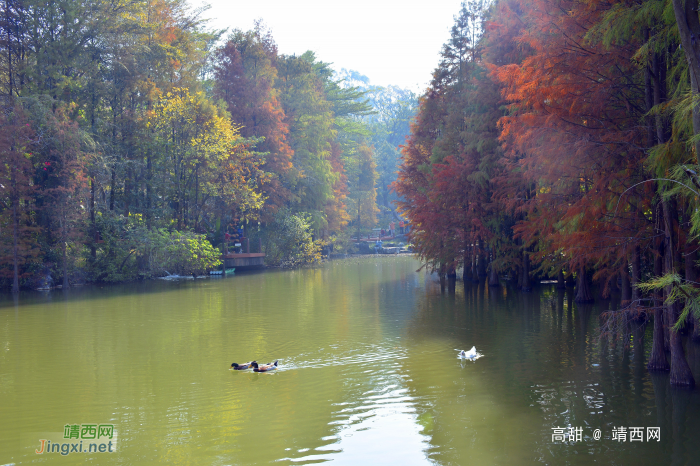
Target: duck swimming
[241, 367]
[265, 367]
[471, 354]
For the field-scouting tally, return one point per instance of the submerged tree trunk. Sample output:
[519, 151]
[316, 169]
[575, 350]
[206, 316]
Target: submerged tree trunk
[451, 280]
[570, 282]
[583, 291]
[525, 272]
[626, 291]
[561, 283]
[493, 276]
[493, 273]
[688, 23]
[467, 273]
[680, 371]
[520, 278]
[441, 274]
[657, 358]
[466, 269]
[481, 258]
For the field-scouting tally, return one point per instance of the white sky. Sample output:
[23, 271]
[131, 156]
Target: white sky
[390, 41]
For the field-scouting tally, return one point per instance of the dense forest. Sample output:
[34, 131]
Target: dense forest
[559, 139]
[137, 142]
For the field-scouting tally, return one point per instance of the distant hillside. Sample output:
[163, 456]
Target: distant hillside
[395, 109]
[383, 99]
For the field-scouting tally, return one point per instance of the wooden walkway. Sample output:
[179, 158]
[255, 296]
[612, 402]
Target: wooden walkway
[245, 261]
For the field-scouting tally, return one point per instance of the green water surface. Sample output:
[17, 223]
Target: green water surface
[368, 373]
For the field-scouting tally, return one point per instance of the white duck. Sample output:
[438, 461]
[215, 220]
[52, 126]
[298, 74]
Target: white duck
[471, 354]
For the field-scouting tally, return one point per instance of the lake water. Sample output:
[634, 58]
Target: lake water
[368, 374]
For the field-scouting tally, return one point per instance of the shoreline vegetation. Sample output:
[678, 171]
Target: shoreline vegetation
[560, 139]
[137, 142]
[176, 277]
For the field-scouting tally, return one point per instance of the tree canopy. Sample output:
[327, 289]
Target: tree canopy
[135, 128]
[559, 137]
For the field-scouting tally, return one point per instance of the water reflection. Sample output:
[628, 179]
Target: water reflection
[368, 372]
[544, 352]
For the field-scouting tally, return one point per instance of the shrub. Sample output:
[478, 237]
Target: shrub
[130, 251]
[289, 241]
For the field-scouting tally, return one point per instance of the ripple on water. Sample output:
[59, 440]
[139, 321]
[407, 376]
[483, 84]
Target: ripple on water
[377, 403]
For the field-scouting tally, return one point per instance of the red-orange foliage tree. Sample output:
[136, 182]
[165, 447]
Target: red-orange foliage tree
[336, 208]
[450, 159]
[245, 76]
[62, 184]
[18, 239]
[572, 140]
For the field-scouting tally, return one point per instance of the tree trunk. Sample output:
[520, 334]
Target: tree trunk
[15, 234]
[570, 283]
[626, 292]
[149, 177]
[93, 225]
[526, 272]
[66, 284]
[680, 371]
[695, 336]
[493, 276]
[127, 191]
[696, 113]
[686, 13]
[561, 283]
[658, 61]
[196, 199]
[9, 52]
[466, 271]
[648, 97]
[657, 358]
[481, 258]
[113, 188]
[359, 219]
[443, 280]
[636, 273]
[451, 280]
[606, 286]
[583, 291]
